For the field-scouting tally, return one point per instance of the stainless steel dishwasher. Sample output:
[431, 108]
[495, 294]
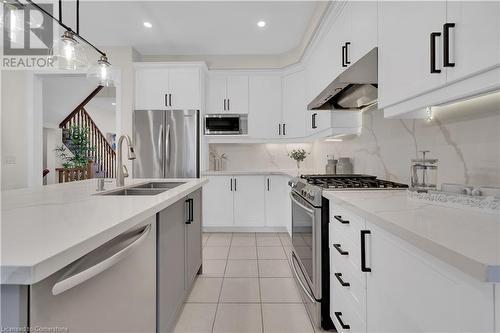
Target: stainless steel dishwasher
[111, 289]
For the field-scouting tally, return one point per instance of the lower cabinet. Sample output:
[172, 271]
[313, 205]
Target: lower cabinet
[179, 256]
[246, 201]
[380, 283]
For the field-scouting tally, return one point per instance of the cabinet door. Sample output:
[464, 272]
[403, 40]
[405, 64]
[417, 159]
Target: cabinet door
[409, 291]
[474, 41]
[216, 94]
[185, 89]
[277, 201]
[193, 238]
[404, 49]
[171, 261]
[363, 26]
[237, 94]
[319, 121]
[294, 105]
[218, 201]
[249, 207]
[265, 107]
[151, 88]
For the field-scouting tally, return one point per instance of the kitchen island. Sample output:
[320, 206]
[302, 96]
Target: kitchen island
[55, 237]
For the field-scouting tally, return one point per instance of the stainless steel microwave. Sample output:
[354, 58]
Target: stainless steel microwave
[226, 124]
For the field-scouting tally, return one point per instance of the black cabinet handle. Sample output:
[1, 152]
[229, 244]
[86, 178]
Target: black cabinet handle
[339, 218]
[363, 251]
[224, 104]
[188, 211]
[347, 62]
[338, 247]
[170, 99]
[279, 129]
[446, 45]
[314, 121]
[284, 129]
[228, 105]
[231, 184]
[343, 56]
[342, 282]
[191, 210]
[235, 184]
[344, 326]
[434, 35]
[268, 184]
[166, 99]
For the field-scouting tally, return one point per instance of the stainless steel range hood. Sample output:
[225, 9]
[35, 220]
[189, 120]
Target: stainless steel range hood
[354, 89]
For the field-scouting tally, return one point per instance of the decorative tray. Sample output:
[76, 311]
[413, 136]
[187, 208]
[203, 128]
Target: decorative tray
[488, 204]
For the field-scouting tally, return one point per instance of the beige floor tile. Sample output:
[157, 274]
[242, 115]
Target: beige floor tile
[244, 234]
[215, 252]
[242, 268]
[286, 240]
[238, 318]
[274, 268]
[243, 241]
[279, 290]
[218, 241]
[205, 290]
[271, 252]
[213, 268]
[286, 318]
[266, 234]
[268, 241]
[240, 290]
[196, 318]
[243, 252]
[205, 239]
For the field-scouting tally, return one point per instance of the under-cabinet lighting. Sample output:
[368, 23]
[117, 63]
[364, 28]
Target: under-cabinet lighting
[333, 140]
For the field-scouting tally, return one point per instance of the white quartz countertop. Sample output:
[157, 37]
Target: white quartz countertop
[466, 239]
[44, 229]
[283, 172]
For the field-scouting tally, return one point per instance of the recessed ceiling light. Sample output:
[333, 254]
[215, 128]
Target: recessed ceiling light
[148, 24]
[113, 103]
[261, 24]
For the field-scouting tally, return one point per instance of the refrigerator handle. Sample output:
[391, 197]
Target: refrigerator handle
[167, 148]
[78, 278]
[160, 146]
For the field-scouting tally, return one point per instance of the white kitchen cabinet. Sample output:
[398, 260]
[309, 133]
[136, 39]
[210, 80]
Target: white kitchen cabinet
[228, 94]
[161, 86]
[277, 201]
[218, 201]
[319, 121]
[363, 17]
[249, 204]
[184, 87]
[264, 120]
[294, 105]
[404, 34]
[474, 40]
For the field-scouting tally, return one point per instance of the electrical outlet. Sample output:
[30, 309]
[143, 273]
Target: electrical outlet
[10, 160]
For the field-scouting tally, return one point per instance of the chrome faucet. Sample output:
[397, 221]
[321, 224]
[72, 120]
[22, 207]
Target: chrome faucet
[121, 170]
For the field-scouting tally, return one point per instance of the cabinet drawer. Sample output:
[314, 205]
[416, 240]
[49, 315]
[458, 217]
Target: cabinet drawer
[355, 292]
[347, 244]
[346, 223]
[342, 309]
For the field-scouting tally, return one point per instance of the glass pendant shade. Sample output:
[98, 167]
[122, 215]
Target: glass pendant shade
[102, 72]
[12, 21]
[68, 53]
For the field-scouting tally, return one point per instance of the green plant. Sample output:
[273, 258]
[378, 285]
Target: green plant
[298, 155]
[79, 151]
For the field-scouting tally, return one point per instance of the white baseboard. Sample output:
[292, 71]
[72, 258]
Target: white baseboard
[243, 229]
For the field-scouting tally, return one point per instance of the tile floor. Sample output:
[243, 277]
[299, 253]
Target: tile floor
[246, 286]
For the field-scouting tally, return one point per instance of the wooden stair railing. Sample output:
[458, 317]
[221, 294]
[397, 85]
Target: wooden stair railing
[74, 174]
[104, 157]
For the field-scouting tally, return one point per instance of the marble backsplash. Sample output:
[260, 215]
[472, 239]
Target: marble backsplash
[465, 137]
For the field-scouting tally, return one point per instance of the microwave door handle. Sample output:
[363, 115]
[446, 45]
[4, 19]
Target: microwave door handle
[308, 210]
[76, 279]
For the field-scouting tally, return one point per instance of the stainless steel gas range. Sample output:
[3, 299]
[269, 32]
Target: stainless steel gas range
[310, 217]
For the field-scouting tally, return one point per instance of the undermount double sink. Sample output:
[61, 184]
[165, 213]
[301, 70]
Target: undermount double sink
[151, 188]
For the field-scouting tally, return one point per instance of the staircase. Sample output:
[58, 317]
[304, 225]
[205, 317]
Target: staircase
[104, 157]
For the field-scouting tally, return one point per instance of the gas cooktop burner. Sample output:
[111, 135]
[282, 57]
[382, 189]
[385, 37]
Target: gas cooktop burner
[351, 182]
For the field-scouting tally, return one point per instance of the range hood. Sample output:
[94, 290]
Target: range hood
[354, 89]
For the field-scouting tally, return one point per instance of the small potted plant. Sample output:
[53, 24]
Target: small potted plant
[299, 155]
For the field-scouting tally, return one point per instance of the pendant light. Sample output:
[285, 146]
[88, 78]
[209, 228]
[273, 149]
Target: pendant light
[102, 72]
[68, 53]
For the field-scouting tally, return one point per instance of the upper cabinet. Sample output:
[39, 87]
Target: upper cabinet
[362, 19]
[163, 86]
[227, 94]
[445, 51]
[294, 105]
[264, 119]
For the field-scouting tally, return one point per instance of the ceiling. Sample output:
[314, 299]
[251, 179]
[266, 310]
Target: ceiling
[195, 28]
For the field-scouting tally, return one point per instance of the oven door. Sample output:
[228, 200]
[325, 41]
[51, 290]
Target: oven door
[306, 253]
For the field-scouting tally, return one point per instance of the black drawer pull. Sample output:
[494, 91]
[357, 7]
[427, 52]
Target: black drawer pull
[363, 251]
[339, 218]
[446, 42]
[434, 35]
[339, 248]
[344, 326]
[342, 282]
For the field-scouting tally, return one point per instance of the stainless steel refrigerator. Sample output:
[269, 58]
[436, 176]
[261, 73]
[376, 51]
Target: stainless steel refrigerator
[166, 143]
